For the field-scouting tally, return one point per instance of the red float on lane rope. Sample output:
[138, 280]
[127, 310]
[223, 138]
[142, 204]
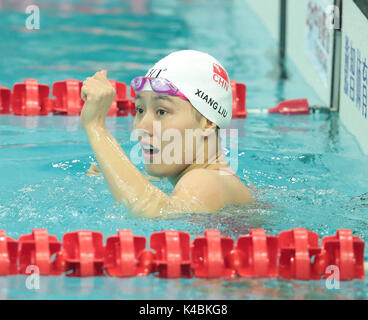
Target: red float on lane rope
[5, 96]
[8, 255]
[208, 255]
[344, 251]
[67, 95]
[239, 91]
[37, 249]
[291, 107]
[256, 255]
[297, 247]
[30, 98]
[172, 253]
[83, 254]
[122, 252]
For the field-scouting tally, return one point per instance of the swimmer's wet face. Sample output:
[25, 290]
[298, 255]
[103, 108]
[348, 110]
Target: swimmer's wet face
[158, 116]
[178, 112]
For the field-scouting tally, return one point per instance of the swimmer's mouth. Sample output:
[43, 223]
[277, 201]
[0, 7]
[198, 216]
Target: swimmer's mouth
[148, 149]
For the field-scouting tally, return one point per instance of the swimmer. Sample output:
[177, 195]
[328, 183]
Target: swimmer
[187, 91]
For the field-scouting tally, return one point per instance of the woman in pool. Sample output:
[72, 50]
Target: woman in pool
[184, 93]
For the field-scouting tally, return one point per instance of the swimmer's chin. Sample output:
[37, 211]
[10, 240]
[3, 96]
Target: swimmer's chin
[157, 172]
[164, 171]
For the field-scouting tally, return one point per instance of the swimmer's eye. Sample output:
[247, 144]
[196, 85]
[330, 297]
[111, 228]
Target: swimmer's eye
[139, 110]
[161, 112]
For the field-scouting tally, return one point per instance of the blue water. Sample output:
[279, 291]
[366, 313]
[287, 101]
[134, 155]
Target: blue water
[308, 170]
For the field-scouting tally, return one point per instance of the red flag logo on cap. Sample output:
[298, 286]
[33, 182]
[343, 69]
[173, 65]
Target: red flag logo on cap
[220, 76]
[221, 72]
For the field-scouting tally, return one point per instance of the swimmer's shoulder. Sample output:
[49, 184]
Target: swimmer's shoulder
[237, 191]
[210, 184]
[201, 183]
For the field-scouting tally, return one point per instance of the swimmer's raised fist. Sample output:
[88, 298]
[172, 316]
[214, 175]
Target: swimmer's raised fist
[98, 94]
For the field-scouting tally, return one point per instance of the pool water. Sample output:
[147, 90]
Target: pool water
[308, 170]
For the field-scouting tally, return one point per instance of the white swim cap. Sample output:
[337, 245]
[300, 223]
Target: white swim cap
[202, 79]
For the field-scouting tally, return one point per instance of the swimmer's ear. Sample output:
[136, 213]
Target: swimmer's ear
[207, 126]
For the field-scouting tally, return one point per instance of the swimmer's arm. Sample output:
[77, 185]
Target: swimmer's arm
[93, 170]
[193, 194]
[126, 183]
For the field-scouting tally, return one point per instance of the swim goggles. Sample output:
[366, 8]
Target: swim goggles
[158, 85]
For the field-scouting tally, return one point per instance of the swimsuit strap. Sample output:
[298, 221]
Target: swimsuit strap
[229, 172]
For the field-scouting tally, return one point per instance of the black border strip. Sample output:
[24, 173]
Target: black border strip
[363, 6]
[282, 38]
[336, 59]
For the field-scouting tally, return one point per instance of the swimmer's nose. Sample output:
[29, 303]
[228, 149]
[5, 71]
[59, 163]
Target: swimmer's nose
[146, 124]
